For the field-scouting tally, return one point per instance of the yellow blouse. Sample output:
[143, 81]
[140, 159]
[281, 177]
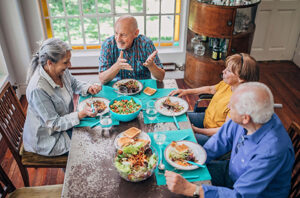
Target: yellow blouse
[217, 110]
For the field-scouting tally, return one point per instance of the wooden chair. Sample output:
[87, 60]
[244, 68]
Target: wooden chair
[294, 133]
[12, 119]
[7, 188]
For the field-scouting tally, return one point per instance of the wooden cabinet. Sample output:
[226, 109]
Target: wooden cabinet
[217, 21]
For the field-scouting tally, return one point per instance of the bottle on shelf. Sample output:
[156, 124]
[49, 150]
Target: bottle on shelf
[216, 51]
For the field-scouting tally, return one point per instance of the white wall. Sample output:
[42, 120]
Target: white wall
[296, 58]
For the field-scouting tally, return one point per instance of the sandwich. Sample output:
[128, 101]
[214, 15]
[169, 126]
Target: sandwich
[180, 153]
[132, 132]
[145, 142]
[124, 141]
[149, 91]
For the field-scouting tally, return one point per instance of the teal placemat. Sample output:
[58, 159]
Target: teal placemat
[89, 121]
[174, 136]
[106, 92]
[161, 118]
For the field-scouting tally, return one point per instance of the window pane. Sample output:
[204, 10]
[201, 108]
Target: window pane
[152, 6]
[75, 31]
[167, 6]
[136, 6]
[121, 6]
[91, 31]
[88, 6]
[167, 28]
[106, 27]
[140, 21]
[104, 6]
[72, 7]
[56, 8]
[59, 29]
[152, 23]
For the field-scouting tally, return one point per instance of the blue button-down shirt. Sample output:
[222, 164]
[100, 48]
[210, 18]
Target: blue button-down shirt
[260, 164]
[140, 50]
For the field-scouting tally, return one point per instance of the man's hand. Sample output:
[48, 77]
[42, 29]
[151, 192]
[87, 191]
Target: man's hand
[180, 92]
[122, 63]
[177, 184]
[94, 89]
[150, 60]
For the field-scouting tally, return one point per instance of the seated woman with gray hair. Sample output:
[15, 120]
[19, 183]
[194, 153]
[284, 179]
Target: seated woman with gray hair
[50, 114]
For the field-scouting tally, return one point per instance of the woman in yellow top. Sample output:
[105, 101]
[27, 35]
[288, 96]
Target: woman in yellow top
[240, 68]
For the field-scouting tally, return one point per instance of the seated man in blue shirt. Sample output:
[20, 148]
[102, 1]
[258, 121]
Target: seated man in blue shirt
[262, 154]
[128, 54]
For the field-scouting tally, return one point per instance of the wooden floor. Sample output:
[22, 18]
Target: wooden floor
[283, 77]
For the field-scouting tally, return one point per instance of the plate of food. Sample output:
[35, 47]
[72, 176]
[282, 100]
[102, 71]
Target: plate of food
[171, 106]
[128, 86]
[100, 104]
[136, 163]
[177, 153]
[132, 136]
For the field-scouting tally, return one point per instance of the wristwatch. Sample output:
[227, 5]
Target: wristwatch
[196, 193]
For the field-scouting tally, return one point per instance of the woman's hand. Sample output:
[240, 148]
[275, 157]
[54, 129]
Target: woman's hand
[180, 92]
[86, 111]
[177, 184]
[95, 88]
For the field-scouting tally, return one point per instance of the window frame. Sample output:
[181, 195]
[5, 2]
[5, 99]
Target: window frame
[177, 24]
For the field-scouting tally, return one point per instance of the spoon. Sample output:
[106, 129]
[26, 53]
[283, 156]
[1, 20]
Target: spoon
[193, 163]
[161, 166]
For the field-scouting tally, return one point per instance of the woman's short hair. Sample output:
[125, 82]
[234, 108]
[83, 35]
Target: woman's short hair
[243, 65]
[52, 49]
[255, 99]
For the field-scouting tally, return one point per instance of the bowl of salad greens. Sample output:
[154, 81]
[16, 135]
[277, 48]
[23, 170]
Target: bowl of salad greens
[135, 162]
[125, 108]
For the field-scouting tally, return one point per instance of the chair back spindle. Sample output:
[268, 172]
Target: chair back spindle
[294, 133]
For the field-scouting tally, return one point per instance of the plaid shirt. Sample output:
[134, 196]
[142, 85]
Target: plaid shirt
[141, 48]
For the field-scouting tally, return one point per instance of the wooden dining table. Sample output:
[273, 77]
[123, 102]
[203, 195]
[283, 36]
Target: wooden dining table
[90, 171]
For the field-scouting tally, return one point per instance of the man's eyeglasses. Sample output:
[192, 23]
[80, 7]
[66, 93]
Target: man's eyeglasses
[240, 143]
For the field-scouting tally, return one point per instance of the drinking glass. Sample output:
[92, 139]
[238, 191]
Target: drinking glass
[151, 111]
[106, 121]
[159, 138]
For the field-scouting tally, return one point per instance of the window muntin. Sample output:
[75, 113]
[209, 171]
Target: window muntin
[85, 24]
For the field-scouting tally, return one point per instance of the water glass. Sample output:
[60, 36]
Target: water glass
[151, 111]
[106, 121]
[159, 138]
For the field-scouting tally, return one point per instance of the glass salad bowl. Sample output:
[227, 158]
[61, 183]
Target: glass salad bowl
[136, 163]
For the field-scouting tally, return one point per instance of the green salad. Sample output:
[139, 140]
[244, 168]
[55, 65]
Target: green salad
[135, 162]
[125, 106]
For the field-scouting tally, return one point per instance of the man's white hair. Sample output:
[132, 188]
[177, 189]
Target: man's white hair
[255, 99]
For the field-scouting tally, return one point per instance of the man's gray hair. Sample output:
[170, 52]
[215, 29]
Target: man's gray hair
[255, 99]
[52, 49]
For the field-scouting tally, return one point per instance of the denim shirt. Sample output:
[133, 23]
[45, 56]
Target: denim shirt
[260, 164]
[142, 47]
[48, 116]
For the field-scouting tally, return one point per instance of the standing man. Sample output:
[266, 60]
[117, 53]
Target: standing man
[128, 54]
[262, 154]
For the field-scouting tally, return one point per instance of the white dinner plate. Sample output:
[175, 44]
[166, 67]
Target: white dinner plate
[168, 112]
[198, 150]
[82, 104]
[142, 135]
[118, 83]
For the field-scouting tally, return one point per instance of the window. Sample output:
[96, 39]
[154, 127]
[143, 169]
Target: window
[85, 24]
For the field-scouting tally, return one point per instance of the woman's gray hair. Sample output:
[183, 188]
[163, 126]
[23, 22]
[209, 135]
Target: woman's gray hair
[255, 99]
[52, 49]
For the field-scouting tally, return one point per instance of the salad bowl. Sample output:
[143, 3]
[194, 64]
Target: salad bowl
[125, 108]
[130, 166]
